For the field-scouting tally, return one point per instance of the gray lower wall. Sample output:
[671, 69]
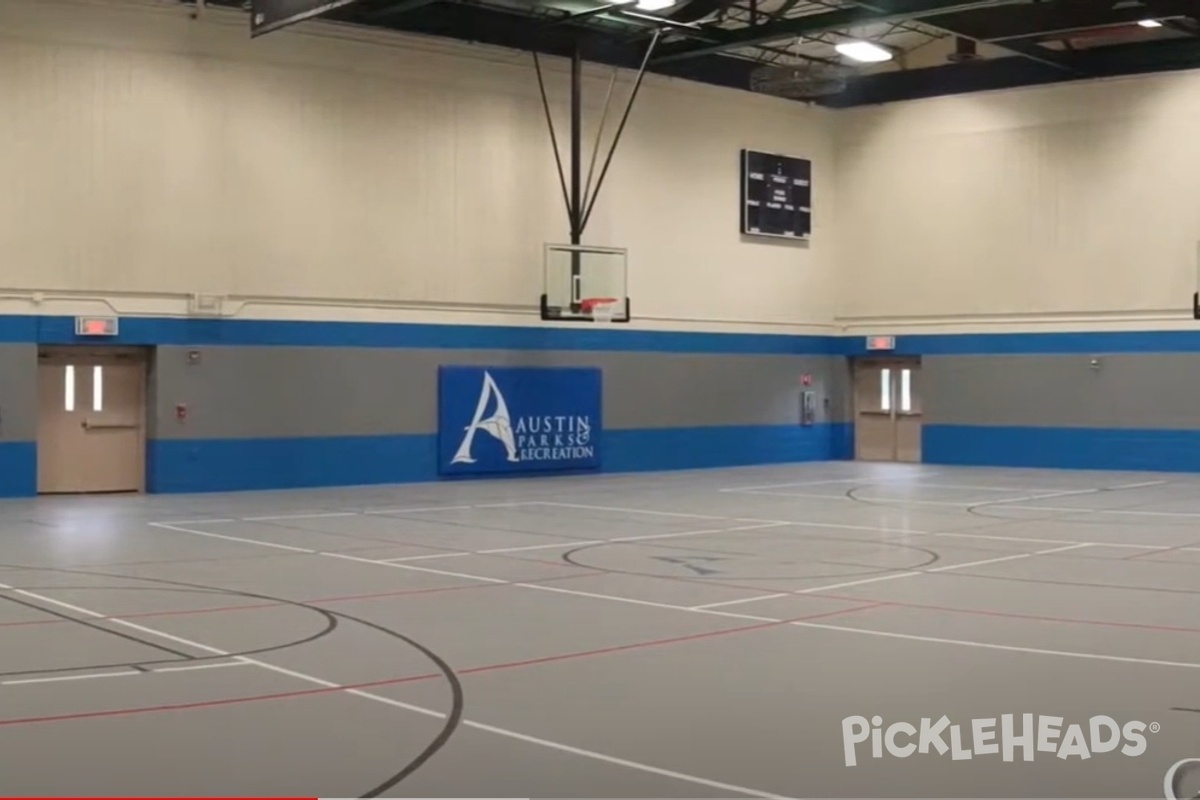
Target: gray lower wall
[250, 392]
[1122, 391]
[18, 392]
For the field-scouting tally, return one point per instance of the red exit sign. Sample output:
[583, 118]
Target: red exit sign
[881, 342]
[95, 326]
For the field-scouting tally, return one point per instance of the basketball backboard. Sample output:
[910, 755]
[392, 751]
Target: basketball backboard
[1196, 294]
[582, 283]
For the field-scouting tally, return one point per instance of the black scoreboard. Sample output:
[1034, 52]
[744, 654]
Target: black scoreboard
[776, 195]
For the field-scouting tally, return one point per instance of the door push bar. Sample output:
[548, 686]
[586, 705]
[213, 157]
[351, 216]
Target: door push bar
[89, 425]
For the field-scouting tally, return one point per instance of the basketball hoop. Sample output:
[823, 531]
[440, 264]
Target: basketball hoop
[601, 309]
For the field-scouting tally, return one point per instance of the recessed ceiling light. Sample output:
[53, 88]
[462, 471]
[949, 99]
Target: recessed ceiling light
[866, 52]
[1150, 23]
[654, 5]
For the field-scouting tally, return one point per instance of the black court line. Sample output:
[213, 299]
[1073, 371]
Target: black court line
[1057, 516]
[129, 637]
[457, 697]
[331, 624]
[931, 557]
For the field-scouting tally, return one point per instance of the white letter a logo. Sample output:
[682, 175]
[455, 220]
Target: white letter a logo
[499, 425]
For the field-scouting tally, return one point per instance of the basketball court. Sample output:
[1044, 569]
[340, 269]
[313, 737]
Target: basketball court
[696, 634]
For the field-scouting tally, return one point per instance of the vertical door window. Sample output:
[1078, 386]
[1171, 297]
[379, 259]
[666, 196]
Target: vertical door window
[885, 390]
[98, 388]
[905, 390]
[69, 388]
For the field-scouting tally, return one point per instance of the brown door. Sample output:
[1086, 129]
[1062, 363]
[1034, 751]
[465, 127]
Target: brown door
[887, 410]
[91, 420]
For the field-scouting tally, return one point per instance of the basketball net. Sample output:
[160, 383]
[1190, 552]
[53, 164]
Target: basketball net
[602, 309]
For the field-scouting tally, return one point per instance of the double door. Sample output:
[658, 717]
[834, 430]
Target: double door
[91, 420]
[887, 410]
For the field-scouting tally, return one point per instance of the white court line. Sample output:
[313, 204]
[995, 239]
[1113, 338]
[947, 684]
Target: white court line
[789, 485]
[194, 667]
[1010, 502]
[580, 543]
[1043, 496]
[1141, 485]
[313, 515]
[329, 514]
[173, 527]
[868, 483]
[64, 678]
[1015, 557]
[947, 504]
[841, 498]
[578, 751]
[505, 505]
[874, 529]
[893, 576]
[1111, 511]
[547, 743]
[887, 634]
[757, 618]
[125, 674]
[462, 553]
[650, 512]
[426, 510]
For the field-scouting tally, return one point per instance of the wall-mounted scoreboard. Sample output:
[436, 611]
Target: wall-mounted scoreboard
[776, 195]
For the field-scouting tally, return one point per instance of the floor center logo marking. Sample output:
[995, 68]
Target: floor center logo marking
[695, 563]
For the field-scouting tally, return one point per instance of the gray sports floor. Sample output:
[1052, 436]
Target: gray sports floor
[680, 635]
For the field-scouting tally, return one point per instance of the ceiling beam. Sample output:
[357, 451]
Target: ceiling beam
[948, 79]
[518, 31]
[811, 24]
[1143, 57]
[1046, 20]
[1061, 61]
[396, 9]
[1015, 72]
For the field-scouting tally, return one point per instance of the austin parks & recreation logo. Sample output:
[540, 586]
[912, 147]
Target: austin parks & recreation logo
[1028, 734]
[543, 437]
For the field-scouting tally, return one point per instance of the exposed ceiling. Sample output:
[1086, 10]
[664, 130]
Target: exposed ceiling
[788, 46]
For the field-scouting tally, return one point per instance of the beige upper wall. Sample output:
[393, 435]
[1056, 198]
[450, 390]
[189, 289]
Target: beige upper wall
[148, 153]
[378, 177]
[1077, 204]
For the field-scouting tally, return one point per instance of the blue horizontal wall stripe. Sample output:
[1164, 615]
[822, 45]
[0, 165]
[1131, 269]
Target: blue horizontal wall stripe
[201, 332]
[18, 469]
[697, 448]
[222, 465]
[216, 465]
[1062, 448]
[210, 332]
[1097, 342]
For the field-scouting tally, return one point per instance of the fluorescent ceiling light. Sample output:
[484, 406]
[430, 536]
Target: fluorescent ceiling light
[865, 52]
[1150, 23]
[654, 5]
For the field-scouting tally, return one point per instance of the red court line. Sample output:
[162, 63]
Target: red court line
[122, 712]
[943, 609]
[1158, 552]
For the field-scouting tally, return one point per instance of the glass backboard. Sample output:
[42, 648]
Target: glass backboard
[584, 283]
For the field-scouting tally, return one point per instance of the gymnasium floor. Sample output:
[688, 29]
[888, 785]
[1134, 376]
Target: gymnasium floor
[679, 635]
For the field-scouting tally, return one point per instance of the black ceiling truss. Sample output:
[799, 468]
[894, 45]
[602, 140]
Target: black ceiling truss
[723, 42]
